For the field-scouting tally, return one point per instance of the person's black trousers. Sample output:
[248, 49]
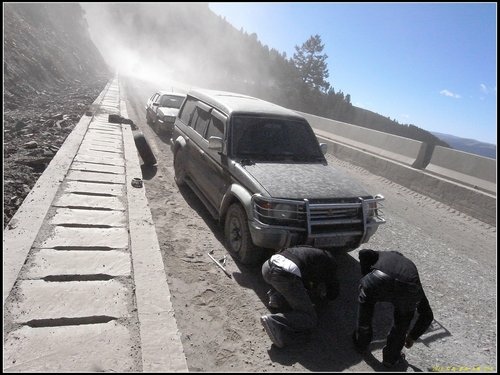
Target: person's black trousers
[378, 287]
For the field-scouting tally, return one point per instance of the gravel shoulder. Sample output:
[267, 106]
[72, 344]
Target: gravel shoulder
[219, 316]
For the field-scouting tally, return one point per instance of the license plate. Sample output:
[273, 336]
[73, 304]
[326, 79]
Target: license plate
[329, 241]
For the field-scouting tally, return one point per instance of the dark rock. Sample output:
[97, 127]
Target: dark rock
[31, 144]
[20, 125]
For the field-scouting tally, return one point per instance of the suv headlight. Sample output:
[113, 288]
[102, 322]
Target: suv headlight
[278, 211]
[284, 211]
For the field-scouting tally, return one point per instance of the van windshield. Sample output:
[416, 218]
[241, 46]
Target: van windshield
[274, 139]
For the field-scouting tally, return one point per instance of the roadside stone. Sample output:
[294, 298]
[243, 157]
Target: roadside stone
[20, 125]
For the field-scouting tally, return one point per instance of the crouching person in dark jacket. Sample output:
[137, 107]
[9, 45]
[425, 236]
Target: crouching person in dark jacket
[300, 276]
[388, 276]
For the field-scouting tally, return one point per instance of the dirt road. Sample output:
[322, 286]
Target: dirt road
[219, 316]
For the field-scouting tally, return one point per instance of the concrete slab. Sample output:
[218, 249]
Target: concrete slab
[99, 158]
[85, 150]
[109, 150]
[94, 187]
[102, 137]
[106, 347]
[110, 238]
[97, 177]
[109, 146]
[69, 216]
[468, 169]
[48, 262]
[98, 141]
[400, 149]
[105, 131]
[42, 300]
[89, 201]
[104, 122]
[104, 125]
[92, 167]
[109, 109]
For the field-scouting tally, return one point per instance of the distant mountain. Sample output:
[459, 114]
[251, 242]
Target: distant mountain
[469, 145]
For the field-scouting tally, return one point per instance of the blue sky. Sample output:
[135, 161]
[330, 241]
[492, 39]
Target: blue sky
[433, 65]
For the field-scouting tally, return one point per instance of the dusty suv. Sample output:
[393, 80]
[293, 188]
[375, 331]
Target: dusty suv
[260, 171]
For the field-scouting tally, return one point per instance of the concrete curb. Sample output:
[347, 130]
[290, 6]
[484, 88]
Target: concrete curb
[161, 345]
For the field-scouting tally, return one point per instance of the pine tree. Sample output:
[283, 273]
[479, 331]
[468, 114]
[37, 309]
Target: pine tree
[312, 64]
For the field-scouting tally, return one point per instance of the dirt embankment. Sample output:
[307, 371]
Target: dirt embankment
[34, 131]
[52, 73]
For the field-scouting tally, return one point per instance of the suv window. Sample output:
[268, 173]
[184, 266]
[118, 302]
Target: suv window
[200, 121]
[187, 110]
[273, 139]
[215, 128]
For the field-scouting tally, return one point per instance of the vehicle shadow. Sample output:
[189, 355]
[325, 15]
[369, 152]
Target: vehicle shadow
[164, 137]
[329, 348]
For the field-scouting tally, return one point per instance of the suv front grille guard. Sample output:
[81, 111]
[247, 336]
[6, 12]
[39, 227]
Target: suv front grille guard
[329, 219]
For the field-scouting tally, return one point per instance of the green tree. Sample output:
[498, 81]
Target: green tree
[311, 63]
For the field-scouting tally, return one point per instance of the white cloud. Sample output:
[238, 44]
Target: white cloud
[487, 90]
[449, 93]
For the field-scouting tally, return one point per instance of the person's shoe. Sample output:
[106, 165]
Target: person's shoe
[272, 331]
[360, 349]
[274, 300]
[399, 360]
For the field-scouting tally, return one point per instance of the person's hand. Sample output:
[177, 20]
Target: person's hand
[408, 342]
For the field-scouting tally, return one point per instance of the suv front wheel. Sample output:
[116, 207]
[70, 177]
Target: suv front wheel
[238, 237]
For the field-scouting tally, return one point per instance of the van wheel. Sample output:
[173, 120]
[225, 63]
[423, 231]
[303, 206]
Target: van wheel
[144, 149]
[239, 241]
[179, 168]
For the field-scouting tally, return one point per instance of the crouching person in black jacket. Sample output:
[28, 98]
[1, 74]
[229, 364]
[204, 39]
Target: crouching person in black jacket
[388, 276]
[301, 277]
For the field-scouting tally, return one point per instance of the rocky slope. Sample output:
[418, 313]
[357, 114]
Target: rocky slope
[52, 73]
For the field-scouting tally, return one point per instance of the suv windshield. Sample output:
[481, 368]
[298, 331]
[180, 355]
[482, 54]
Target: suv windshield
[274, 139]
[171, 101]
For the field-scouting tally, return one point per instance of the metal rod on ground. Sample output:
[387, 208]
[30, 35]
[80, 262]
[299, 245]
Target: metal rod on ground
[216, 262]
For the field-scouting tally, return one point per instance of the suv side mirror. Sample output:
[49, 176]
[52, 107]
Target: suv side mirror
[323, 147]
[156, 104]
[215, 143]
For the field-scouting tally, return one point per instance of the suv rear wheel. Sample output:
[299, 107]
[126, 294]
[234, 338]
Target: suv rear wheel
[238, 237]
[180, 172]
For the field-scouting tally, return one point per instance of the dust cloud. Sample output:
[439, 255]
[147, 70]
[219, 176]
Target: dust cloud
[179, 44]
